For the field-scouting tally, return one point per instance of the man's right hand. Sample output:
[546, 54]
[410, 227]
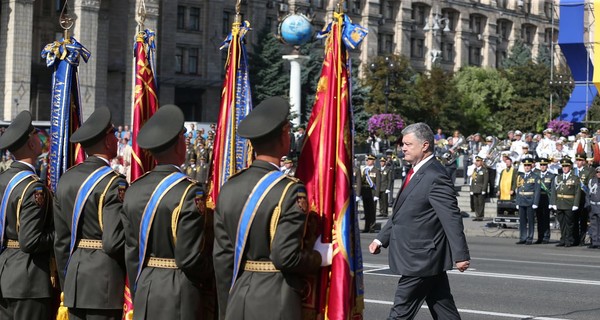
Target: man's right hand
[374, 248]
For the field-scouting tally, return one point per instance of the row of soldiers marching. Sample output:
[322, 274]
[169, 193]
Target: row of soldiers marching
[572, 194]
[94, 232]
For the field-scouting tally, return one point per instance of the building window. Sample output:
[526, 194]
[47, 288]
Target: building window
[477, 23]
[356, 6]
[502, 3]
[389, 43]
[418, 15]
[475, 56]
[548, 8]
[416, 48]
[452, 16]
[447, 52]
[178, 60]
[503, 29]
[193, 60]
[528, 33]
[194, 19]
[389, 10]
[226, 22]
[500, 57]
[548, 35]
[180, 17]
[317, 3]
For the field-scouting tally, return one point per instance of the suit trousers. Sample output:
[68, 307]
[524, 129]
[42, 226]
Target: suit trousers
[95, 314]
[543, 218]
[526, 223]
[594, 229]
[25, 309]
[565, 219]
[434, 290]
[580, 224]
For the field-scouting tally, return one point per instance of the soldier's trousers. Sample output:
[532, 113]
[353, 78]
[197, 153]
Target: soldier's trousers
[543, 219]
[565, 219]
[478, 204]
[526, 223]
[369, 207]
[580, 222]
[383, 203]
[24, 309]
[595, 228]
[491, 182]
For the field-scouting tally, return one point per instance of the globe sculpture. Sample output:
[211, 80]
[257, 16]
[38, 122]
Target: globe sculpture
[295, 29]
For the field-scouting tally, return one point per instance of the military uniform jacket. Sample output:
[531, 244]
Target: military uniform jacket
[387, 178]
[262, 295]
[94, 279]
[161, 293]
[25, 272]
[593, 196]
[479, 180]
[546, 182]
[375, 176]
[565, 192]
[528, 189]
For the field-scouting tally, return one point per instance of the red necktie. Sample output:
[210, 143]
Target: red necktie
[407, 179]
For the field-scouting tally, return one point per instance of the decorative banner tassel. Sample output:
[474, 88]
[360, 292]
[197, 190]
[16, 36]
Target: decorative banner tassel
[63, 312]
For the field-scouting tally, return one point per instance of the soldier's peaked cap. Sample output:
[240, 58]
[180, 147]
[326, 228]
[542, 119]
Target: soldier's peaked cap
[265, 118]
[527, 161]
[544, 161]
[93, 127]
[161, 129]
[566, 161]
[16, 133]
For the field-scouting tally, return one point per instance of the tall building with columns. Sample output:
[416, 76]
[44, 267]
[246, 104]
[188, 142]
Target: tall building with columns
[448, 33]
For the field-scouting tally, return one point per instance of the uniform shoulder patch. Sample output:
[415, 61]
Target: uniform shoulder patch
[200, 200]
[39, 196]
[121, 188]
[302, 199]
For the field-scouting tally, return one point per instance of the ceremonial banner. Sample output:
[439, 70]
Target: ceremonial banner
[325, 166]
[65, 111]
[231, 153]
[146, 100]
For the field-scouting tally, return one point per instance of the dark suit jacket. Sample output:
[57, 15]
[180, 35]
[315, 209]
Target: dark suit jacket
[262, 295]
[425, 234]
[25, 272]
[177, 291]
[95, 279]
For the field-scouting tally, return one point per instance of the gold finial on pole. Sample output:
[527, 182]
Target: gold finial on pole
[238, 16]
[65, 20]
[340, 6]
[141, 15]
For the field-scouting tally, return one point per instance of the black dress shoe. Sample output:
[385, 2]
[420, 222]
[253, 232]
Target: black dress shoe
[592, 246]
[528, 242]
[567, 245]
[538, 242]
[561, 245]
[545, 241]
[520, 242]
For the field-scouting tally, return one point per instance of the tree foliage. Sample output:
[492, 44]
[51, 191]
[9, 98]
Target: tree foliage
[267, 74]
[520, 54]
[437, 99]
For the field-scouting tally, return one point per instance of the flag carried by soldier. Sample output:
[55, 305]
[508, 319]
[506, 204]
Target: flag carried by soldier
[65, 110]
[325, 166]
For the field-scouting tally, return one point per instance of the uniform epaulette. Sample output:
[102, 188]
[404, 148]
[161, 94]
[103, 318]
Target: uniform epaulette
[139, 178]
[237, 173]
[119, 174]
[293, 179]
[73, 166]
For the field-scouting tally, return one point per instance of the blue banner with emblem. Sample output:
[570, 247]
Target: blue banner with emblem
[254, 200]
[161, 189]
[65, 110]
[18, 178]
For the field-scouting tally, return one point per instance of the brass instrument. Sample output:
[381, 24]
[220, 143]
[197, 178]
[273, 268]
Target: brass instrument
[493, 155]
[452, 154]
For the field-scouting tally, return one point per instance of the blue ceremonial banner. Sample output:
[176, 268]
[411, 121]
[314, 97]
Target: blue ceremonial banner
[65, 110]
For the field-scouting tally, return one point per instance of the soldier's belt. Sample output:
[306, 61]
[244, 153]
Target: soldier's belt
[12, 244]
[260, 266]
[89, 244]
[528, 193]
[163, 263]
[565, 196]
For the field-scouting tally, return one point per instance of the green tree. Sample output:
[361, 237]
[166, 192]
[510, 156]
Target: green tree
[267, 75]
[520, 54]
[400, 90]
[484, 93]
[438, 98]
[311, 71]
[360, 98]
[544, 57]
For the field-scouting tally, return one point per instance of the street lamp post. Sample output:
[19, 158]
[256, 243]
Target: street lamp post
[386, 89]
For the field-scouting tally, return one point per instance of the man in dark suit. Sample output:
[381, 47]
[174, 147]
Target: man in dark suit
[90, 258]
[26, 229]
[165, 225]
[262, 278]
[427, 232]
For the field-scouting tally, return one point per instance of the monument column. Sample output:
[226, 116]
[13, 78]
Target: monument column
[85, 30]
[296, 61]
[15, 56]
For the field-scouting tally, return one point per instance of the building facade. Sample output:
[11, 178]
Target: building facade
[448, 33]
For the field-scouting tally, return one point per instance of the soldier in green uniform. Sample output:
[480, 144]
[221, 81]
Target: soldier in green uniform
[260, 256]
[581, 216]
[164, 218]
[89, 234]
[543, 211]
[479, 183]
[387, 180]
[565, 200]
[26, 228]
[527, 200]
[370, 185]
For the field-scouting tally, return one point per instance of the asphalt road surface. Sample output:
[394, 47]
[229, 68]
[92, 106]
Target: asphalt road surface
[505, 281]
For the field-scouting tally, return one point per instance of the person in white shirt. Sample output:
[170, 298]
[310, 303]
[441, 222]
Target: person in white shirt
[546, 146]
